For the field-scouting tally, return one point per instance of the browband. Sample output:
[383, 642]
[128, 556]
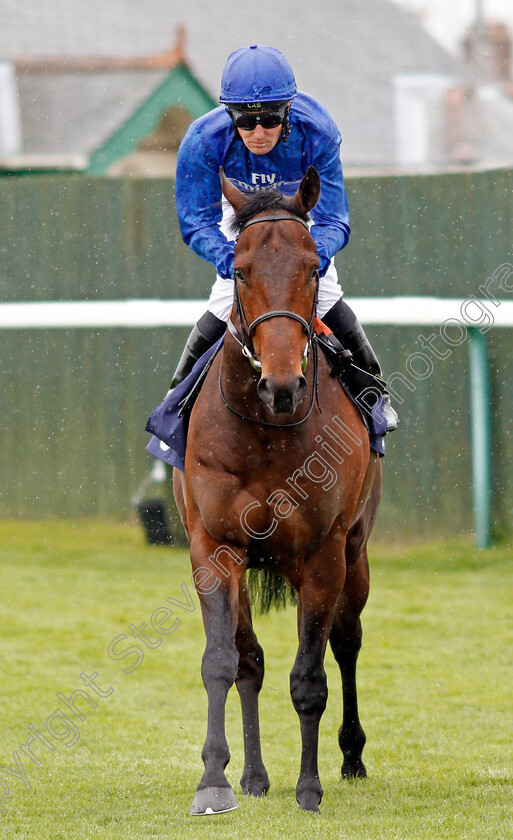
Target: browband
[280, 218]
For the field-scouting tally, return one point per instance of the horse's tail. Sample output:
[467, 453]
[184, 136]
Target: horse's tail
[268, 590]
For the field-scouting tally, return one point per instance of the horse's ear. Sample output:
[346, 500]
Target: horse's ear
[230, 192]
[309, 190]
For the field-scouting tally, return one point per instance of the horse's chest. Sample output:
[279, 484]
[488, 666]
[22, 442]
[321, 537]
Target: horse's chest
[272, 507]
[284, 490]
[290, 515]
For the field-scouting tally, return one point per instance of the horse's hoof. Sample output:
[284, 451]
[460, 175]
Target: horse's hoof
[256, 787]
[255, 783]
[309, 800]
[354, 770]
[213, 800]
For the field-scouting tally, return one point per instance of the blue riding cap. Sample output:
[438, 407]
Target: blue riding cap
[257, 74]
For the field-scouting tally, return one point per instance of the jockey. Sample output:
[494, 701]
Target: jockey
[265, 134]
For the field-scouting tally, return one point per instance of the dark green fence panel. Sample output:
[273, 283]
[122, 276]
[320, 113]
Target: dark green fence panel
[71, 237]
[432, 234]
[74, 402]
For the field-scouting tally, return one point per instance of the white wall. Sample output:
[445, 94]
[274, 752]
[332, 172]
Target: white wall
[447, 20]
[10, 122]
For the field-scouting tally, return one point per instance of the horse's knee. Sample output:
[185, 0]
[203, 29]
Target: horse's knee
[219, 665]
[309, 690]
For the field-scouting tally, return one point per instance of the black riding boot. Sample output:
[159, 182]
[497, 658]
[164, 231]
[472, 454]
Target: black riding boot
[205, 333]
[343, 322]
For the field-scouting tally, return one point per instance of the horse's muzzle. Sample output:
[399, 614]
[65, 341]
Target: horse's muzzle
[282, 399]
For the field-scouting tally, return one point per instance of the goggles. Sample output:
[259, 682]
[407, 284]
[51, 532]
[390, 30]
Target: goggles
[248, 121]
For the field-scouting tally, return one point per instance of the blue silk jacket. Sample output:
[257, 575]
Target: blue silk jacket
[210, 143]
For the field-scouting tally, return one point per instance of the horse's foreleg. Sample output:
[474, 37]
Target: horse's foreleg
[218, 591]
[254, 780]
[321, 583]
[345, 640]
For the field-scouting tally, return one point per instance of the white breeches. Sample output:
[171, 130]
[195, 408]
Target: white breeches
[221, 296]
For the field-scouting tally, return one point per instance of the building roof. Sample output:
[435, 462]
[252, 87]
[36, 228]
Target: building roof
[70, 111]
[344, 52]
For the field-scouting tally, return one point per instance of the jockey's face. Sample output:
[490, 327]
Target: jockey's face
[260, 141]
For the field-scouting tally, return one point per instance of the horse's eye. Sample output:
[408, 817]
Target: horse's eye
[238, 275]
[314, 274]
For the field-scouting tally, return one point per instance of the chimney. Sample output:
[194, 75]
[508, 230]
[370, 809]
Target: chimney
[462, 118]
[490, 52]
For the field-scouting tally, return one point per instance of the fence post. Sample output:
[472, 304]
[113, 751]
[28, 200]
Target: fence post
[481, 426]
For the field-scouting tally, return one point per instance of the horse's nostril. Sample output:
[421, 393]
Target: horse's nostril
[301, 388]
[265, 391]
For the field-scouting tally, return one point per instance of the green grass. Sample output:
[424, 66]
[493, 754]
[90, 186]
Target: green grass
[435, 679]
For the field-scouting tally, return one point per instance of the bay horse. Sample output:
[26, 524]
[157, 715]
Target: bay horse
[258, 493]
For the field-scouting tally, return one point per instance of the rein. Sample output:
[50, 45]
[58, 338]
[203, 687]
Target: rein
[275, 313]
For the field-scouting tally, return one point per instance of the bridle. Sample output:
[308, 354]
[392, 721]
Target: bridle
[246, 343]
[245, 337]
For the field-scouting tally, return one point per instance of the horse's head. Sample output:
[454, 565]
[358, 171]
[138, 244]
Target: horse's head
[276, 274]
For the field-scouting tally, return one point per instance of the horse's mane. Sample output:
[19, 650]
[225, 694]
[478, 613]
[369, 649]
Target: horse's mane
[268, 199]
